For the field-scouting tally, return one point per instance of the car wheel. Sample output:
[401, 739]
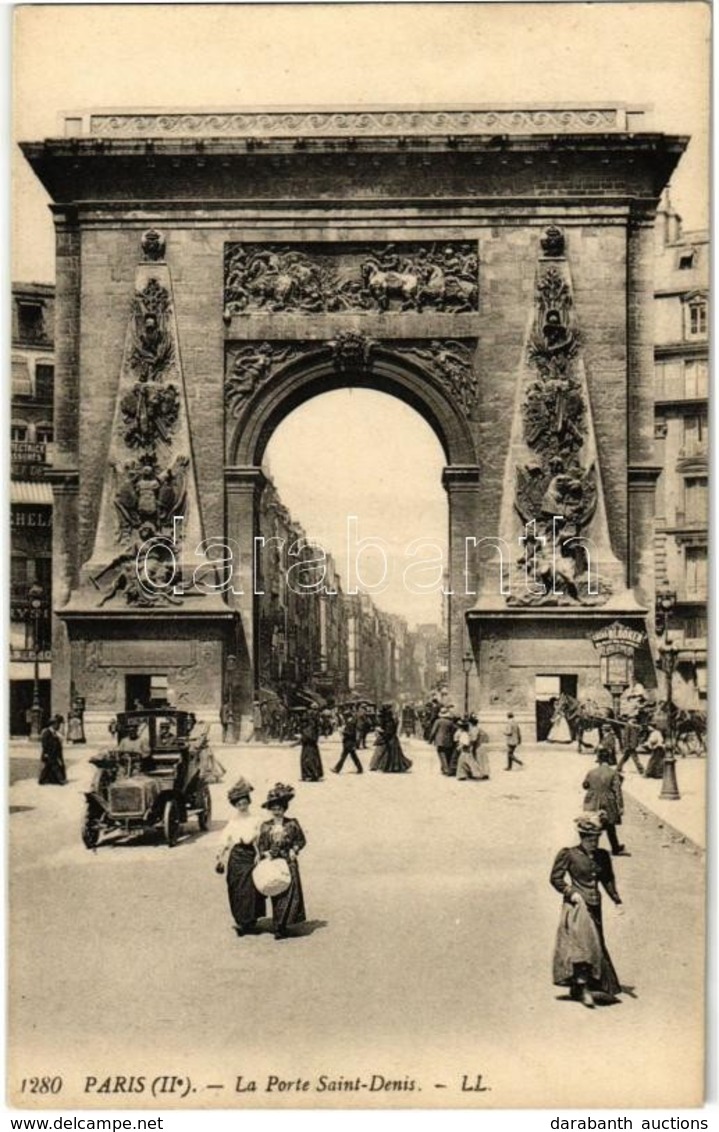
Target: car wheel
[203, 818]
[90, 829]
[171, 822]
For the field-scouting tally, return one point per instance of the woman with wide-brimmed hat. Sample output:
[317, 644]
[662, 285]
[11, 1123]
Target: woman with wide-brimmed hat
[282, 837]
[581, 959]
[239, 852]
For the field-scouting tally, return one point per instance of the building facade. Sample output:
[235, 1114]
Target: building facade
[492, 268]
[681, 358]
[31, 455]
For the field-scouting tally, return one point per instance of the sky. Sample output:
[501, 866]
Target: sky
[370, 457]
[188, 56]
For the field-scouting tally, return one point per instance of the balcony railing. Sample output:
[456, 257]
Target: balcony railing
[694, 450]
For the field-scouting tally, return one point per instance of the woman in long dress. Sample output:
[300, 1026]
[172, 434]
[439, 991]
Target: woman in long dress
[238, 853]
[283, 837]
[311, 769]
[581, 959]
[388, 757]
[655, 744]
[468, 746]
[559, 731]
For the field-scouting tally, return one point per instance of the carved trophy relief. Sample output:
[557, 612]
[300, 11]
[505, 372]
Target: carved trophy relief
[149, 478]
[556, 490]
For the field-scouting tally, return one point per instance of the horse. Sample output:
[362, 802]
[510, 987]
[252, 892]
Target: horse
[385, 285]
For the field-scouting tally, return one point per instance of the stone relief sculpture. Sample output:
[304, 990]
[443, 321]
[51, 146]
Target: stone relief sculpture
[351, 352]
[451, 362]
[153, 245]
[556, 493]
[149, 480]
[253, 365]
[146, 497]
[357, 123]
[401, 277]
[152, 349]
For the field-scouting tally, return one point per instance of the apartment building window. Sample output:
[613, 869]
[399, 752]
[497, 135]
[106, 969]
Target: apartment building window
[31, 322]
[695, 434]
[44, 433]
[18, 431]
[21, 383]
[696, 500]
[686, 260]
[696, 379]
[44, 382]
[696, 318]
[696, 572]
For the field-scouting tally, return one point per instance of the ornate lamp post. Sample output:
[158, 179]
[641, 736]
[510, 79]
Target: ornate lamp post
[36, 595]
[467, 662]
[666, 600]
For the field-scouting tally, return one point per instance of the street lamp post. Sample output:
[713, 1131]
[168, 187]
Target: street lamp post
[36, 595]
[467, 662]
[666, 600]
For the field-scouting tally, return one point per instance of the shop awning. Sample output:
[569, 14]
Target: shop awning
[24, 491]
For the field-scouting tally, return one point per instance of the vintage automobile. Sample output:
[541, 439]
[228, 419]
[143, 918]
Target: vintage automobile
[156, 776]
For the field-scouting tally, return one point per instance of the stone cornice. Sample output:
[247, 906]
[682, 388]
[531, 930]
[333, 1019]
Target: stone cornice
[242, 478]
[643, 477]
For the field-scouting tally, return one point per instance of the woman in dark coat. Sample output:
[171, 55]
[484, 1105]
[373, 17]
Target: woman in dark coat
[283, 837]
[581, 960]
[655, 744]
[311, 769]
[240, 844]
[52, 763]
[389, 757]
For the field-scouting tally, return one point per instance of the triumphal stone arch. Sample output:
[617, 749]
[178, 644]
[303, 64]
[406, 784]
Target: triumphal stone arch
[490, 267]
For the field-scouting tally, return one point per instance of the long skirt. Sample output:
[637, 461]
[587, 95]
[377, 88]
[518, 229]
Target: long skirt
[655, 766]
[559, 732]
[289, 907]
[392, 759]
[377, 755]
[246, 903]
[580, 952]
[311, 769]
[469, 767]
[52, 772]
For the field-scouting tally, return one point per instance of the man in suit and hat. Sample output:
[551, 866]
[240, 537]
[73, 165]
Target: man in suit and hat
[442, 735]
[513, 738]
[349, 744]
